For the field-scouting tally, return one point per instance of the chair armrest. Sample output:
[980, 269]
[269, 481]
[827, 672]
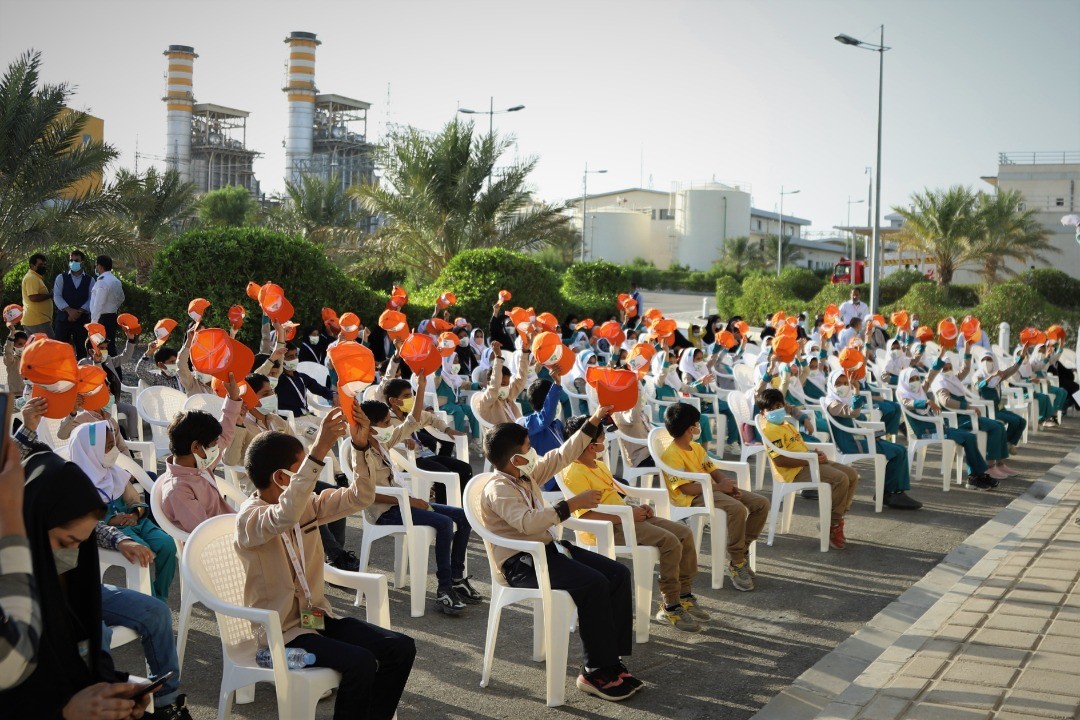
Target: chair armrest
[230, 491]
[136, 576]
[826, 449]
[626, 515]
[402, 496]
[602, 529]
[649, 494]
[371, 585]
[740, 469]
[867, 425]
[147, 453]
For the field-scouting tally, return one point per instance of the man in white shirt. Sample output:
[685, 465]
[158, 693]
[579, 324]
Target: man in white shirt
[106, 297]
[853, 308]
[852, 331]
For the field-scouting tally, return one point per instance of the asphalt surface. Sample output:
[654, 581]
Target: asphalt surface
[805, 604]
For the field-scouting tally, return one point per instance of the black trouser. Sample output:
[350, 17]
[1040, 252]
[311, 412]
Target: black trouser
[108, 321]
[441, 463]
[72, 332]
[601, 589]
[374, 664]
[332, 534]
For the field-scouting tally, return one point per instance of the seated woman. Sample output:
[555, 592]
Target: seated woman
[896, 360]
[575, 378]
[988, 377]
[1041, 359]
[448, 383]
[697, 379]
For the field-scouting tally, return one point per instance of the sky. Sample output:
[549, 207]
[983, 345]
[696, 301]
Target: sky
[753, 92]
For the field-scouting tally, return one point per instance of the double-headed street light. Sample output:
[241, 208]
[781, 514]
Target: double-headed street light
[780, 231]
[491, 112]
[584, 201]
[875, 246]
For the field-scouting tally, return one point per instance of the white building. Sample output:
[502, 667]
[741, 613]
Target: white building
[687, 226]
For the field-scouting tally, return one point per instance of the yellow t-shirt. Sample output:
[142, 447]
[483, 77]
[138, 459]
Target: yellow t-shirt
[694, 460]
[786, 437]
[579, 478]
[35, 313]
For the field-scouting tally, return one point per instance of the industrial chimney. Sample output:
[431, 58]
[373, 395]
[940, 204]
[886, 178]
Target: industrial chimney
[179, 101]
[300, 91]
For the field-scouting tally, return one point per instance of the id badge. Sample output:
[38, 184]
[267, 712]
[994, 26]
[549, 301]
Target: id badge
[312, 619]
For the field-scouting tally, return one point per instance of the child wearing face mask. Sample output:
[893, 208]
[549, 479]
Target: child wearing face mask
[988, 377]
[13, 348]
[93, 448]
[192, 382]
[197, 441]
[448, 384]
[497, 403]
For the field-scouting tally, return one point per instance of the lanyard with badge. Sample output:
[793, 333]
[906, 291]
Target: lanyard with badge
[300, 389]
[311, 618]
[531, 499]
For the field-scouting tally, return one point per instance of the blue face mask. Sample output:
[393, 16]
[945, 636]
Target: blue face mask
[776, 417]
[75, 266]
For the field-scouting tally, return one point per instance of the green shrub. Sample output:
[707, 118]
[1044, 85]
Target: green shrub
[728, 291]
[596, 277]
[1018, 304]
[1055, 286]
[930, 302]
[963, 295]
[833, 295]
[895, 286]
[217, 264]
[644, 274]
[763, 294]
[804, 284]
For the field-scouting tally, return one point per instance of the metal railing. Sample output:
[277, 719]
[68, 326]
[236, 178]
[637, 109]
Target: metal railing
[1063, 157]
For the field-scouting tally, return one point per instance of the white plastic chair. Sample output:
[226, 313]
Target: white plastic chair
[206, 402]
[868, 432]
[696, 517]
[744, 377]
[632, 475]
[420, 481]
[740, 409]
[315, 371]
[485, 426]
[552, 609]
[213, 571]
[180, 538]
[917, 447]
[129, 465]
[784, 492]
[157, 406]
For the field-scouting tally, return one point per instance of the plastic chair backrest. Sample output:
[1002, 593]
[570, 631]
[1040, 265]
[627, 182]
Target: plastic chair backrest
[474, 490]
[740, 408]
[128, 464]
[315, 371]
[217, 572]
[474, 403]
[47, 431]
[206, 402]
[160, 403]
[659, 439]
[162, 520]
[744, 376]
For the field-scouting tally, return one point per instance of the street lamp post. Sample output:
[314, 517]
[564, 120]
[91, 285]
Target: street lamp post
[491, 112]
[780, 230]
[875, 246]
[584, 202]
[851, 267]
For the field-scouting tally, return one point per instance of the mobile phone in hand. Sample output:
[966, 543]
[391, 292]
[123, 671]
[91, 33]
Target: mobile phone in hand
[149, 688]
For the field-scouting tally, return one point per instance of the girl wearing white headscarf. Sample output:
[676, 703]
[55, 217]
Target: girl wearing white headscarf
[574, 380]
[93, 448]
[697, 379]
[1027, 372]
[895, 360]
[448, 383]
[988, 376]
[1042, 357]
[811, 376]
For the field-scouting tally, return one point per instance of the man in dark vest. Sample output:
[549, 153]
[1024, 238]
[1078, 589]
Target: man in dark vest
[71, 294]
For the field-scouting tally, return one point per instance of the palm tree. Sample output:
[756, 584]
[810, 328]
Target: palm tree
[789, 253]
[739, 253]
[441, 194]
[1005, 232]
[43, 156]
[231, 206]
[320, 210]
[940, 224]
[153, 206]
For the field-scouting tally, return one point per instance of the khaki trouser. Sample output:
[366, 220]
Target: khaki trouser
[678, 556]
[746, 516]
[843, 479]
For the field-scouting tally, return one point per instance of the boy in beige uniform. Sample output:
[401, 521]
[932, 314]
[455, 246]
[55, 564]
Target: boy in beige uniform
[497, 403]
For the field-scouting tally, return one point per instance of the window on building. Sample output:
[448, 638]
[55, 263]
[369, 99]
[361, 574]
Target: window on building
[654, 214]
[1059, 202]
[665, 215]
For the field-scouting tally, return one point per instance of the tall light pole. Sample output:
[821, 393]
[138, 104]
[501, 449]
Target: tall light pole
[875, 247]
[491, 112]
[780, 230]
[584, 202]
[851, 267]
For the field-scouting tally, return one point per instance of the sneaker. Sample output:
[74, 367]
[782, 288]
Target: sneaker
[604, 684]
[449, 603]
[346, 560]
[627, 678]
[677, 618]
[690, 605]
[466, 592]
[733, 448]
[740, 576]
[901, 501]
[981, 481]
[836, 537]
[176, 711]
[809, 494]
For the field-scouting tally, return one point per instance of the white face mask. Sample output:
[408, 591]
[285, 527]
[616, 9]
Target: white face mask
[696, 432]
[896, 352]
[212, 455]
[104, 355]
[313, 339]
[699, 366]
[504, 393]
[290, 474]
[110, 457]
[843, 391]
[66, 559]
[463, 342]
[273, 383]
[455, 368]
[914, 384]
[383, 434]
[573, 327]
[268, 405]
[530, 462]
[170, 370]
[291, 364]
[202, 377]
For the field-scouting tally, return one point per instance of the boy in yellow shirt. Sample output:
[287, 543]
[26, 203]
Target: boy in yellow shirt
[746, 511]
[843, 479]
[678, 556]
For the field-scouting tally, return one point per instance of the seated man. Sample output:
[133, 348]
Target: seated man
[512, 506]
[497, 402]
[545, 428]
[452, 530]
[292, 389]
[843, 479]
[158, 366]
[746, 511]
[197, 441]
[284, 565]
[678, 555]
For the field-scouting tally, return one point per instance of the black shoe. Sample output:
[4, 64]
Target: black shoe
[466, 592]
[449, 603]
[604, 684]
[809, 494]
[628, 679]
[345, 560]
[980, 482]
[901, 501]
[176, 711]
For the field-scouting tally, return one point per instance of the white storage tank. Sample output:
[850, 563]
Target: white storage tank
[705, 217]
[618, 235]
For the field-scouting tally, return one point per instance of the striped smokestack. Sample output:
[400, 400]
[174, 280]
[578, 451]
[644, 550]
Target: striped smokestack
[178, 102]
[300, 91]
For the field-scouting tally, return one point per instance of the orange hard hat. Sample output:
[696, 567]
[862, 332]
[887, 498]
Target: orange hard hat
[504, 295]
[252, 291]
[13, 313]
[93, 387]
[330, 321]
[851, 359]
[446, 300]
[274, 303]
[924, 333]
[586, 324]
[419, 353]
[437, 326]
[618, 388]
[878, 320]
[355, 368]
[163, 329]
[639, 357]
[395, 324]
[197, 308]
[350, 325]
[832, 309]
[777, 318]
[743, 327]
[237, 313]
[214, 353]
[971, 328]
[786, 330]
[901, 320]
[52, 368]
[1056, 333]
[1032, 336]
[785, 347]
[398, 298]
[523, 319]
[547, 321]
[548, 349]
[628, 305]
[95, 333]
[948, 332]
[447, 344]
[726, 339]
[664, 331]
[288, 329]
[828, 328]
[129, 323]
[612, 332]
[247, 395]
[651, 316]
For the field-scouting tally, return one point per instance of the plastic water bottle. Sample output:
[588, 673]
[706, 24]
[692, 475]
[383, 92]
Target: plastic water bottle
[296, 658]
